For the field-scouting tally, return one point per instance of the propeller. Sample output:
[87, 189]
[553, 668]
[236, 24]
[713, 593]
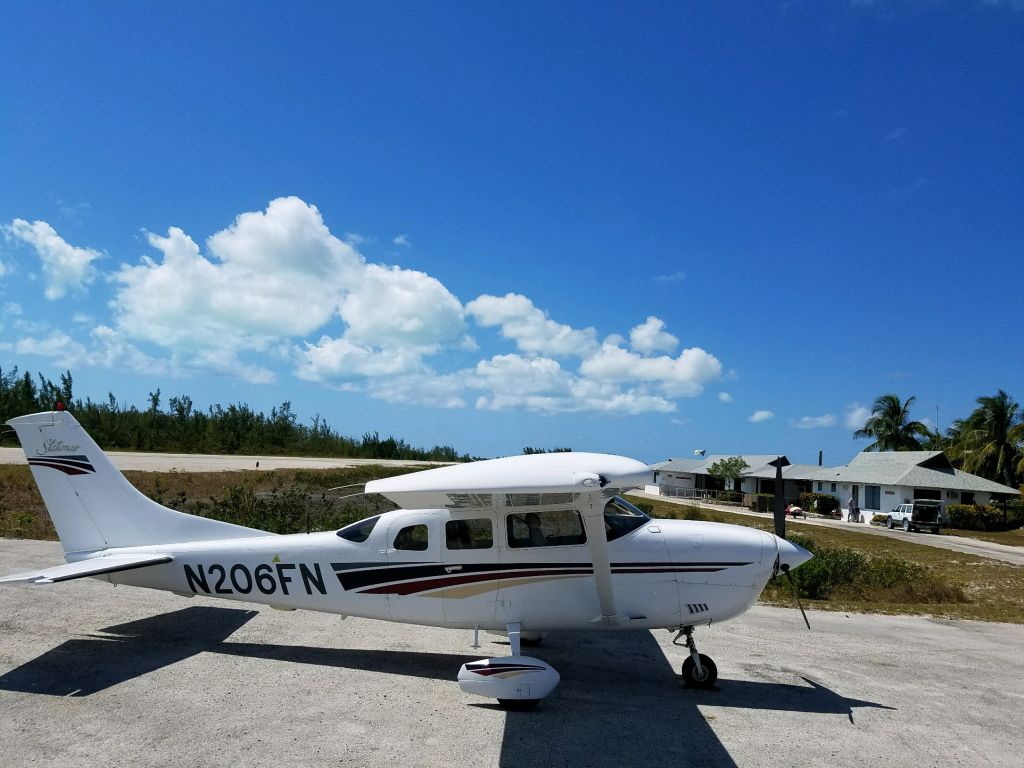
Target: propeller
[796, 593]
[779, 513]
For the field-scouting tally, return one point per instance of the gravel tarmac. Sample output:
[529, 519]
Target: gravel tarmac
[97, 675]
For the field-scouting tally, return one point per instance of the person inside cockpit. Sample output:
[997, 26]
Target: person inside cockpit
[537, 537]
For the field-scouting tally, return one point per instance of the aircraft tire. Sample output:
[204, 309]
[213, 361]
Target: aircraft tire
[690, 678]
[519, 705]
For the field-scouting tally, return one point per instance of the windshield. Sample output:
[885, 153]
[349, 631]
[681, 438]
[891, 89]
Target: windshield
[621, 517]
[359, 532]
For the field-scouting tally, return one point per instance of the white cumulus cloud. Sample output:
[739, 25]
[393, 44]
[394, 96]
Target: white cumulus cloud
[277, 288]
[856, 415]
[65, 266]
[278, 275]
[529, 327]
[390, 306]
[650, 336]
[682, 376]
[761, 415]
[815, 422]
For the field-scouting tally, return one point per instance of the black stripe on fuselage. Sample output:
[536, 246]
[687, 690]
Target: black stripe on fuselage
[357, 576]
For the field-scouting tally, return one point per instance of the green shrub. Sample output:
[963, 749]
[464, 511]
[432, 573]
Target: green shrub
[841, 573]
[826, 504]
[971, 517]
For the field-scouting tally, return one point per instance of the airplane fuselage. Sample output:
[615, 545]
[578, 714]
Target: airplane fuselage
[665, 573]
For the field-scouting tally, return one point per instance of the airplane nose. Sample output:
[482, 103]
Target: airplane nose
[790, 554]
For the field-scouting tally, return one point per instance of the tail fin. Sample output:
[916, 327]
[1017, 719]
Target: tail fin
[91, 503]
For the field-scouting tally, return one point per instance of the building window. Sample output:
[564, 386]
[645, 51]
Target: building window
[833, 487]
[820, 486]
[872, 497]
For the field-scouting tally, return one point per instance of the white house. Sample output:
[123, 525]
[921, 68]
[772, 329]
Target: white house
[691, 478]
[878, 481]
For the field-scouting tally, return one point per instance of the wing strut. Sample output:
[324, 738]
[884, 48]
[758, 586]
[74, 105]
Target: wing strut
[591, 507]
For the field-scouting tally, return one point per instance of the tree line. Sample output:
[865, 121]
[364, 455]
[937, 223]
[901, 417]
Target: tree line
[180, 427]
[988, 443]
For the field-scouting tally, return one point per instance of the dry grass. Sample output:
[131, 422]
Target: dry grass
[1014, 538]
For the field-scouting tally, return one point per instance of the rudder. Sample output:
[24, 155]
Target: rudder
[92, 505]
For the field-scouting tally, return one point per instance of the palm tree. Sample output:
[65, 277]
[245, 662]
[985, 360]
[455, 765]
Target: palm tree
[891, 427]
[989, 442]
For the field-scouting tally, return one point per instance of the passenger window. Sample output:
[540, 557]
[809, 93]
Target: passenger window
[546, 529]
[412, 538]
[469, 534]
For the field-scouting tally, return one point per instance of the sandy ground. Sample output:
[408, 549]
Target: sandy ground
[193, 462]
[96, 675]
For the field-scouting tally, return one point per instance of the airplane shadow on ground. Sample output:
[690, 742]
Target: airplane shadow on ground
[86, 665]
[620, 701]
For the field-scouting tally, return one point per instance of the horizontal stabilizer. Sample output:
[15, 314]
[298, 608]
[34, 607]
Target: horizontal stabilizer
[94, 566]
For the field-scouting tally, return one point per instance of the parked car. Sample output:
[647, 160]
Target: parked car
[920, 513]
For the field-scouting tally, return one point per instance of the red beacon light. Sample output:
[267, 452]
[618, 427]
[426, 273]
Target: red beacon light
[60, 405]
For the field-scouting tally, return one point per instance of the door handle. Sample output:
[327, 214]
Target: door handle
[452, 568]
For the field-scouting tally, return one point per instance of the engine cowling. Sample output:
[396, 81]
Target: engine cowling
[509, 678]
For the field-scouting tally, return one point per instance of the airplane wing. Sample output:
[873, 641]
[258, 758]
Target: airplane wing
[94, 566]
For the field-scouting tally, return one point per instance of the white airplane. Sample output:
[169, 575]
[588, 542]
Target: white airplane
[518, 546]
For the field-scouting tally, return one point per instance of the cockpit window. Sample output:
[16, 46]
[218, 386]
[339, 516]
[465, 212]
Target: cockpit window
[359, 532]
[621, 517]
[412, 538]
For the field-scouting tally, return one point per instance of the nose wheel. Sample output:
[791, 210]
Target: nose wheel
[699, 671]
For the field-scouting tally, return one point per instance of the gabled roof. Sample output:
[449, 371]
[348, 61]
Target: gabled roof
[756, 462]
[919, 469]
[789, 472]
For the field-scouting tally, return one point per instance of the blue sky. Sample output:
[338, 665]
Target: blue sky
[618, 227]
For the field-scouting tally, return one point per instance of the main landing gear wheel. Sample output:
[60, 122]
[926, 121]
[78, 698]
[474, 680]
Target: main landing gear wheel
[705, 678]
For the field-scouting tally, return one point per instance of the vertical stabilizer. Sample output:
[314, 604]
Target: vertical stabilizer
[91, 503]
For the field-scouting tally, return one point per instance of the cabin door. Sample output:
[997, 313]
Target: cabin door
[470, 581]
[413, 551]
